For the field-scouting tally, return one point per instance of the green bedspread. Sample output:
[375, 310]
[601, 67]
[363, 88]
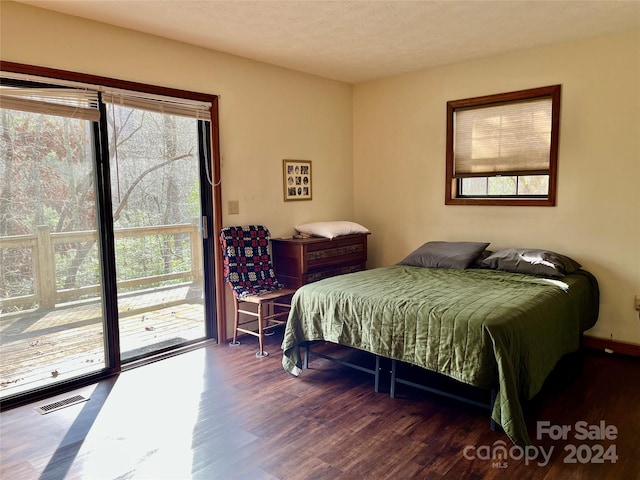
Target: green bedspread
[487, 328]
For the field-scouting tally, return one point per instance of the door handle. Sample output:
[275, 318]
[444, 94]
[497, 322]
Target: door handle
[205, 230]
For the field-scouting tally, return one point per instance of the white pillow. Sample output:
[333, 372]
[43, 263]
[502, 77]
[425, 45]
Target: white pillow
[331, 229]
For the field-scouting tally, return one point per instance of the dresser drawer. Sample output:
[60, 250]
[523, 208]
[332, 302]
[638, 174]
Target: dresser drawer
[335, 252]
[332, 272]
[303, 260]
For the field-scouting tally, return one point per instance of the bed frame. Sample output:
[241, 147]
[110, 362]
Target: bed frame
[375, 371]
[394, 380]
[548, 318]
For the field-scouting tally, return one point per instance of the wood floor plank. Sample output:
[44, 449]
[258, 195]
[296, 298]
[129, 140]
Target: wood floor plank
[221, 413]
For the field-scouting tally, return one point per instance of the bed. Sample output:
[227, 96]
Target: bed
[486, 327]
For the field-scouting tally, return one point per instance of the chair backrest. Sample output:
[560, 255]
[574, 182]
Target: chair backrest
[247, 262]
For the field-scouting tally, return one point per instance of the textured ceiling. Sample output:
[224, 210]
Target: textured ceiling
[355, 41]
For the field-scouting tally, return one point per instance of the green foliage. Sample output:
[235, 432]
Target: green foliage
[193, 206]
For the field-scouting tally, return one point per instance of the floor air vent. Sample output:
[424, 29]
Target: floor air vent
[51, 407]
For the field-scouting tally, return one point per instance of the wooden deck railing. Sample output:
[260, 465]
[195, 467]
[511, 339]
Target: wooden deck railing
[46, 293]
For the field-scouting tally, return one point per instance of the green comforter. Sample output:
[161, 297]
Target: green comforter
[486, 328]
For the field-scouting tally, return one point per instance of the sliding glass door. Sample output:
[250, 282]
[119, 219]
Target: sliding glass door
[51, 295]
[157, 214]
[106, 199]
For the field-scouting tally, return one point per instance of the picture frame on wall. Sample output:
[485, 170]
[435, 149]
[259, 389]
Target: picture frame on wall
[296, 180]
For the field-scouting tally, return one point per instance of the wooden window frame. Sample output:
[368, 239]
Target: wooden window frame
[214, 146]
[452, 196]
[113, 365]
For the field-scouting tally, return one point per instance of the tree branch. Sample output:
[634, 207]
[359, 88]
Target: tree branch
[125, 198]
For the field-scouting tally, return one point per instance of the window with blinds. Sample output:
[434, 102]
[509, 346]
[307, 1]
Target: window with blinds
[107, 194]
[502, 149]
[159, 104]
[58, 101]
[74, 100]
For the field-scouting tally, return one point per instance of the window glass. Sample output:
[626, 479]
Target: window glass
[502, 149]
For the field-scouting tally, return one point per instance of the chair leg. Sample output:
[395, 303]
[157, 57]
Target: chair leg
[236, 321]
[270, 310]
[261, 353]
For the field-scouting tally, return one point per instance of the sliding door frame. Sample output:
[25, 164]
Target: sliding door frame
[215, 327]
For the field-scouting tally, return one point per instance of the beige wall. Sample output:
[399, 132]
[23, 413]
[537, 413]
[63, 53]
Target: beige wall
[380, 159]
[399, 162]
[267, 113]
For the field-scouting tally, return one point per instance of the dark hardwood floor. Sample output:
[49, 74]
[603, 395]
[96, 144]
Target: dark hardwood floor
[220, 413]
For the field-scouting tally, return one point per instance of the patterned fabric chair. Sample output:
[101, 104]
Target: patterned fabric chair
[249, 272]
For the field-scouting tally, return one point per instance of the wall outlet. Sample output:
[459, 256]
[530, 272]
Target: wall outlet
[233, 207]
[638, 302]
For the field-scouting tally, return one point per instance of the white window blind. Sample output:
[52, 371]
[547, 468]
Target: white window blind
[58, 101]
[512, 138]
[159, 104]
[80, 100]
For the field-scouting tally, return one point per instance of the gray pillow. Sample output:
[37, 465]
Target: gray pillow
[445, 254]
[477, 263]
[532, 261]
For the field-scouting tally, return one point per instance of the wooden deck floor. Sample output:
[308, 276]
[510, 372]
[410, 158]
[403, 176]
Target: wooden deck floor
[42, 347]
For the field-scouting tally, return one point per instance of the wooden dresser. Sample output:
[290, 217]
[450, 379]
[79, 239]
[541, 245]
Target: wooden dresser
[304, 260]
